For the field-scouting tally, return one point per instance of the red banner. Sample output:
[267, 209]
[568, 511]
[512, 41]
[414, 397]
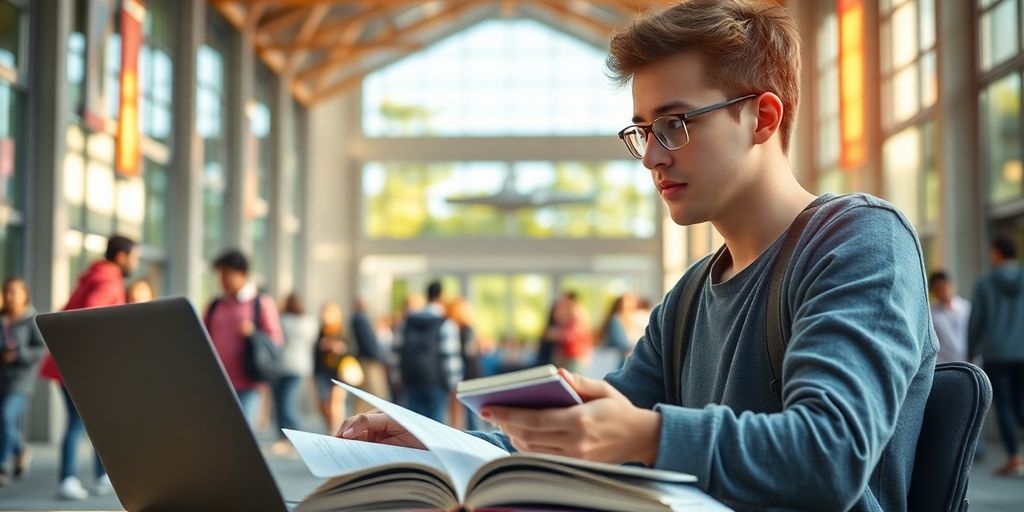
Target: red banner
[129, 154]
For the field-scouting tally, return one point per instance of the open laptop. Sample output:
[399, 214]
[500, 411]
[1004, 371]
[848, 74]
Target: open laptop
[156, 402]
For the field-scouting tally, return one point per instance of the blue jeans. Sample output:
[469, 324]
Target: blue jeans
[1008, 397]
[69, 448]
[429, 401]
[286, 402]
[250, 400]
[11, 407]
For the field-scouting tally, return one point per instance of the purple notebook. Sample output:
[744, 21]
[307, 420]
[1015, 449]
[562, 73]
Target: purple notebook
[534, 388]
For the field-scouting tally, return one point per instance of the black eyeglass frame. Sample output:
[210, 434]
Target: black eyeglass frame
[647, 129]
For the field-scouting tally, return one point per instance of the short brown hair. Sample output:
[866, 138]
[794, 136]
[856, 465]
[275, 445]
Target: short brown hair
[750, 47]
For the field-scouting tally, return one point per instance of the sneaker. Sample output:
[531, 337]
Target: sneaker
[71, 489]
[22, 462]
[103, 486]
[1013, 467]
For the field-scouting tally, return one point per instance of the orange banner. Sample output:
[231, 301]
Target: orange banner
[852, 123]
[129, 154]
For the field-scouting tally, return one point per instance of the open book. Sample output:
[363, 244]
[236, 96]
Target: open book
[459, 471]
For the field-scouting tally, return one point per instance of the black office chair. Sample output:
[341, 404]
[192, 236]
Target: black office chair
[953, 417]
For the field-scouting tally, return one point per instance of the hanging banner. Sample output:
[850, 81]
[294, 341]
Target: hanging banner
[98, 25]
[129, 154]
[852, 122]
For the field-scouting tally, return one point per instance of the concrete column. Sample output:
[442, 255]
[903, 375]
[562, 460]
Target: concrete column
[240, 79]
[186, 253]
[279, 280]
[963, 220]
[47, 269]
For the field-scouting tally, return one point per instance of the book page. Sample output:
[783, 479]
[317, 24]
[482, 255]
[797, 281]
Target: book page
[461, 454]
[329, 456]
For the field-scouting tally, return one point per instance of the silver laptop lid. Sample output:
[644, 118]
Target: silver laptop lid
[157, 404]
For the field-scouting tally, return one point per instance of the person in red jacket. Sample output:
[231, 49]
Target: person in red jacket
[102, 284]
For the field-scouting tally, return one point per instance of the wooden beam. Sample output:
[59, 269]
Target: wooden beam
[558, 8]
[305, 33]
[328, 34]
[282, 20]
[252, 18]
[334, 61]
[234, 13]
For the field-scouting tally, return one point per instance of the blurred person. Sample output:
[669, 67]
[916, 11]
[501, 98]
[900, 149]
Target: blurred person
[716, 85]
[371, 358]
[571, 333]
[429, 356]
[640, 317]
[460, 311]
[995, 331]
[139, 291]
[950, 314]
[22, 352]
[614, 332]
[300, 336]
[230, 320]
[102, 284]
[331, 346]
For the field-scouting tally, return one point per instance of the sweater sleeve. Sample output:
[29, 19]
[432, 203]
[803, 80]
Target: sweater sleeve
[30, 353]
[860, 333]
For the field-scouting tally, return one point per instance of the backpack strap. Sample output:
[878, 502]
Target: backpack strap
[256, 303]
[775, 342]
[686, 308]
[209, 310]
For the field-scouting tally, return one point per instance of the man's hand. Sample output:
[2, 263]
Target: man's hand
[605, 428]
[377, 427]
[9, 357]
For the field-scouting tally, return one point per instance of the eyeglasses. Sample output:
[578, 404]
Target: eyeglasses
[670, 129]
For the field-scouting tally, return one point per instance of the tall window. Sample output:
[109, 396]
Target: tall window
[100, 200]
[258, 176]
[501, 199]
[909, 92]
[211, 125]
[1000, 60]
[13, 142]
[295, 183]
[500, 77]
[827, 142]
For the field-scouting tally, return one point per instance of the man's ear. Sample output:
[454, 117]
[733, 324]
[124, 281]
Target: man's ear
[769, 117]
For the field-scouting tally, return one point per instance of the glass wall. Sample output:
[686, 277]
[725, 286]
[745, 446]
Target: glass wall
[909, 79]
[100, 200]
[258, 177]
[212, 128]
[830, 178]
[13, 140]
[498, 78]
[1002, 141]
[538, 199]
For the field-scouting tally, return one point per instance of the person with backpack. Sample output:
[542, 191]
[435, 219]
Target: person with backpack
[242, 323]
[102, 284]
[995, 331]
[788, 371]
[429, 356]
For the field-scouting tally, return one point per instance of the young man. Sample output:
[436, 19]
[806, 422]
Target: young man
[950, 313]
[230, 321]
[996, 332]
[429, 356]
[716, 84]
[102, 284]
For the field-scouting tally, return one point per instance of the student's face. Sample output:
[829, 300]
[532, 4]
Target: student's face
[703, 178]
[944, 291]
[231, 280]
[15, 295]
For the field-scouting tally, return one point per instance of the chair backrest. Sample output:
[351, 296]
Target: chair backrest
[953, 417]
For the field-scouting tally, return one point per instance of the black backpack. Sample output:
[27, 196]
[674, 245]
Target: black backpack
[420, 359]
[261, 359]
[775, 342]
